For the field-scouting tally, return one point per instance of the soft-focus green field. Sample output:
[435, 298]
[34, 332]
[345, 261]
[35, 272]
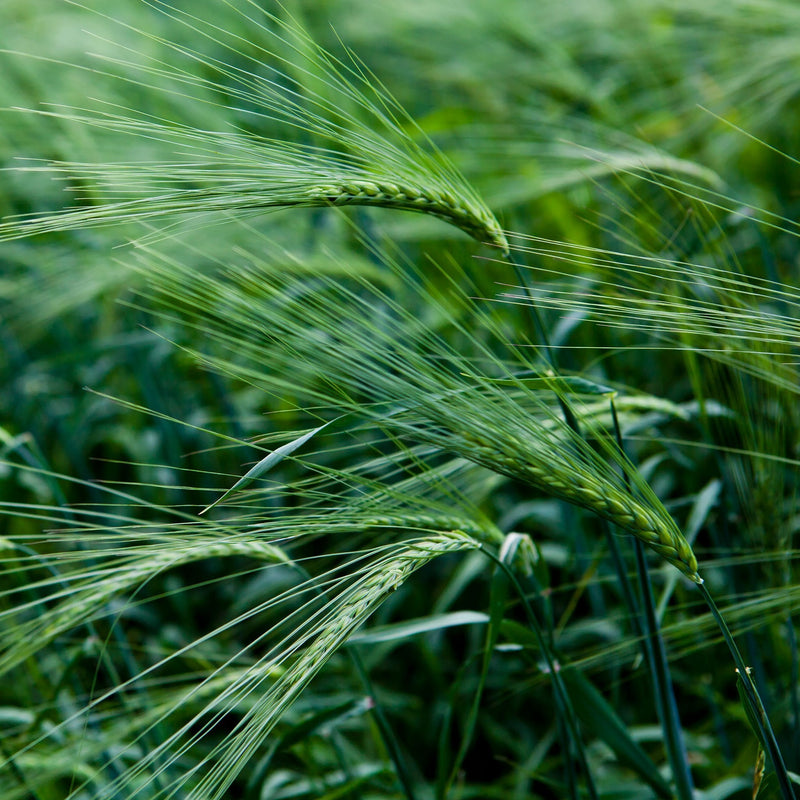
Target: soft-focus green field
[399, 399]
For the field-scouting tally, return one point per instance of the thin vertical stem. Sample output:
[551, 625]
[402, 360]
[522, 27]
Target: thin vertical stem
[559, 689]
[759, 714]
[657, 659]
[664, 692]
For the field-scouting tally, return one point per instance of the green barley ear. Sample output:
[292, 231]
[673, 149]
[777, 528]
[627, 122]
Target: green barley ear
[560, 465]
[339, 139]
[472, 217]
[130, 567]
[434, 395]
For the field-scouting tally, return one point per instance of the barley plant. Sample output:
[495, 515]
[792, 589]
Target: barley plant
[400, 400]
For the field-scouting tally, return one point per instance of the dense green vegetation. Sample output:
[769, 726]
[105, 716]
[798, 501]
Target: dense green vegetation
[400, 399]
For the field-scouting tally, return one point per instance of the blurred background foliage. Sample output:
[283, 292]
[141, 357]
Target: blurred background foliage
[663, 131]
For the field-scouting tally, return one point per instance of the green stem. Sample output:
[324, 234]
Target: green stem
[559, 689]
[657, 658]
[766, 733]
[664, 692]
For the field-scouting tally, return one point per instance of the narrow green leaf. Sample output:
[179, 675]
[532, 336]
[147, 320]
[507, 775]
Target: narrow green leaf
[598, 717]
[269, 461]
[415, 627]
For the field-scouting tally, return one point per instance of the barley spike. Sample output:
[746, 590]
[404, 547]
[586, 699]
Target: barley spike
[475, 221]
[581, 486]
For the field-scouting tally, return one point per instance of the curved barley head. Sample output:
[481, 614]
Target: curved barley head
[339, 139]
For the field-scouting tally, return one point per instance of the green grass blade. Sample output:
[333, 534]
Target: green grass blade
[416, 627]
[269, 461]
[599, 718]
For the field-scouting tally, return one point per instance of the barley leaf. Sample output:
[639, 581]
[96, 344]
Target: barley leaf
[599, 717]
[415, 627]
[269, 461]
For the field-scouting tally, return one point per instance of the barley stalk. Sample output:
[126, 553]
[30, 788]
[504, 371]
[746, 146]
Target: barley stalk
[364, 150]
[253, 176]
[360, 601]
[87, 595]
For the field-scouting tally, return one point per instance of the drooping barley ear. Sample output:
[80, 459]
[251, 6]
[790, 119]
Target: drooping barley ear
[316, 646]
[342, 139]
[469, 217]
[465, 213]
[651, 524]
[87, 597]
[578, 484]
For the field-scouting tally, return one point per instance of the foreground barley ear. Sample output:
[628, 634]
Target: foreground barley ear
[343, 616]
[266, 689]
[546, 454]
[364, 148]
[412, 384]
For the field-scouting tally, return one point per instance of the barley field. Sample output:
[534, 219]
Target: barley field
[400, 400]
